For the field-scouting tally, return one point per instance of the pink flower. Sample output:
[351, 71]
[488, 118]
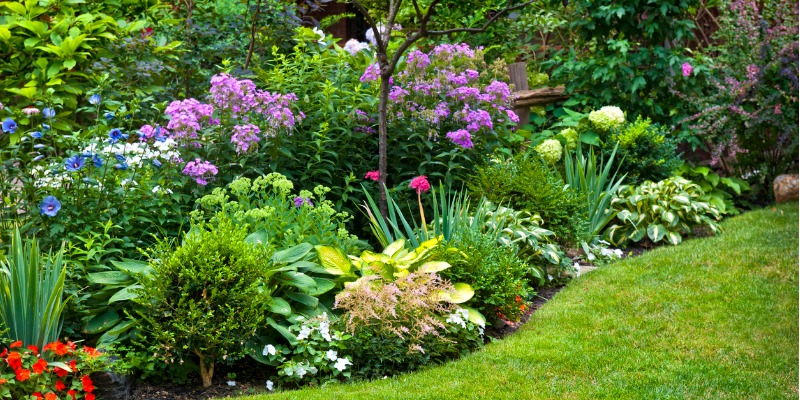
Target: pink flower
[420, 183]
[687, 69]
[373, 175]
[30, 110]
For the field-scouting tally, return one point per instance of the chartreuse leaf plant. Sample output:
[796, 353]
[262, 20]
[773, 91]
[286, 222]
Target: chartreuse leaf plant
[395, 261]
[660, 211]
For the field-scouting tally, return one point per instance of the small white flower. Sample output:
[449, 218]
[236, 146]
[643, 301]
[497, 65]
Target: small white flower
[304, 332]
[332, 355]
[577, 267]
[618, 252]
[301, 371]
[342, 363]
[231, 383]
[270, 385]
[320, 34]
[590, 256]
[269, 350]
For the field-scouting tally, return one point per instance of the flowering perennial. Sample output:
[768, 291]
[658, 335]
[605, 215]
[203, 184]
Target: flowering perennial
[201, 171]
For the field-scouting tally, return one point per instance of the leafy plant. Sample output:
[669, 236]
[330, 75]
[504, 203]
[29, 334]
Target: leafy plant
[31, 292]
[595, 183]
[664, 210]
[720, 191]
[205, 297]
[645, 151]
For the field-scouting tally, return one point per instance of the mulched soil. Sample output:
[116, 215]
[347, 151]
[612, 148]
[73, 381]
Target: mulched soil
[543, 295]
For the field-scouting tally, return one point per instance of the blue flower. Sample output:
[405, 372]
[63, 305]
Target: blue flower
[46, 127]
[97, 161]
[157, 163]
[38, 158]
[74, 163]
[122, 166]
[108, 115]
[9, 126]
[119, 157]
[95, 99]
[128, 116]
[49, 206]
[49, 112]
[116, 134]
[38, 146]
[36, 135]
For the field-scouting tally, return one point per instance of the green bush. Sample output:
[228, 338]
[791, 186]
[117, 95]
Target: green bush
[646, 151]
[659, 211]
[527, 183]
[498, 277]
[205, 297]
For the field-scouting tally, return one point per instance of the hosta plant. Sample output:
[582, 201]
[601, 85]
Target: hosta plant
[657, 211]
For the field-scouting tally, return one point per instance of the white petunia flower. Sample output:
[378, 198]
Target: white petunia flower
[342, 363]
[332, 355]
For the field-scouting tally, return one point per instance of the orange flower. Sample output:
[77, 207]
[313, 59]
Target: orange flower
[2, 381]
[40, 366]
[57, 347]
[16, 344]
[51, 396]
[87, 384]
[33, 348]
[91, 351]
[23, 374]
[14, 360]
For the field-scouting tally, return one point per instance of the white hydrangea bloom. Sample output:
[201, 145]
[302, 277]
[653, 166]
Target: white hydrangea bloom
[353, 46]
[550, 150]
[607, 117]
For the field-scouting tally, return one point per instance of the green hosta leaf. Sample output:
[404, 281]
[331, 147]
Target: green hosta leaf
[303, 298]
[283, 331]
[323, 286]
[669, 217]
[102, 322]
[656, 232]
[125, 293]
[674, 238]
[110, 278]
[682, 199]
[292, 254]
[132, 266]
[298, 279]
[334, 260]
[394, 247]
[637, 235]
[463, 292]
[434, 266]
[122, 327]
[475, 316]
[257, 237]
[280, 306]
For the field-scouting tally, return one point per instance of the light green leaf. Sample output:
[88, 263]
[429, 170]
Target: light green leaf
[280, 306]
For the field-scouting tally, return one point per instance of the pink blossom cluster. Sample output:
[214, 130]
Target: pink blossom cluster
[240, 98]
[187, 118]
[148, 132]
[200, 170]
[245, 136]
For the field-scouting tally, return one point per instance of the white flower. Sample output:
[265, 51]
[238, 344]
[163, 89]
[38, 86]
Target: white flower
[577, 267]
[342, 363]
[270, 385]
[332, 355]
[324, 330]
[231, 383]
[456, 318]
[269, 349]
[304, 332]
[353, 46]
[618, 252]
[301, 371]
[319, 33]
[590, 256]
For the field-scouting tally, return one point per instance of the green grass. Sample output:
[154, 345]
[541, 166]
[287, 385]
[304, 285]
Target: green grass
[713, 318]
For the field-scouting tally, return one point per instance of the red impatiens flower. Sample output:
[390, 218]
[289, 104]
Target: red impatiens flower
[23, 374]
[87, 384]
[89, 396]
[57, 347]
[71, 393]
[16, 344]
[60, 372]
[91, 351]
[40, 366]
[50, 396]
[33, 348]
[4, 353]
[37, 395]
[14, 360]
[60, 385]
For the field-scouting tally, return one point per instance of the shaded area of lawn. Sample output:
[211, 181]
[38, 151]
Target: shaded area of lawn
[712, 318]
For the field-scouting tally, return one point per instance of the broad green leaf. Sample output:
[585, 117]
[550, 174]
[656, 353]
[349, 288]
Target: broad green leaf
[5, 34]
[15, 7]
[132, 266]
[475, 316]
[303, 298]
[394, 247]
[434, 266]
[323, 286]
[297, 279]
[656, 232]
[69, 64]
[102, 322]
[674, 238]
[292, 254]
[109, 278]
[126, 293]
[122, 327]
[280, 306]
[333, 260]
[257, 237]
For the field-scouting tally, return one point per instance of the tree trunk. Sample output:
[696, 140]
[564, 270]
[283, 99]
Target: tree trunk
[206, 371]
[383, 135]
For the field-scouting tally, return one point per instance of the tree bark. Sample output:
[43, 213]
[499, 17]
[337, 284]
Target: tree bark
[383, 135]
[206, 371]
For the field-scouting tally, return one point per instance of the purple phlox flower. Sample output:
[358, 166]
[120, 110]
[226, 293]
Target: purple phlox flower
[244, 136]
[9, 126]
[95, 99]
[475, 119]
[74, 163]
[372, 73]
[461, 137]
[687, 69]
[512, 116]
[397, 93]
[299, 201]
[200, 170]
[499, 91]
[49, 113]
[49, 206]
[186, 117]
[418, 60]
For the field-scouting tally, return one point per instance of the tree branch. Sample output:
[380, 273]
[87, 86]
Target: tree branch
[371, 23]
[486, 25]
[423, 30]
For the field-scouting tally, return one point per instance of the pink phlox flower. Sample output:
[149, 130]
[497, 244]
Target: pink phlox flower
[372, 175]
[420, 184]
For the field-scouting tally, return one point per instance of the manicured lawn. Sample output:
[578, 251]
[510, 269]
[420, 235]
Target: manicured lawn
[712, 318]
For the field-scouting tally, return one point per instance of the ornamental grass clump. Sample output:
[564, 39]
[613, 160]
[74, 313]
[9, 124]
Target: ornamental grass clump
[205, 297]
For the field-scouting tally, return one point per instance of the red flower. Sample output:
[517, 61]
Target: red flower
[420, 183]
[33, 348]
[73, 365]
[147, 32]
[23, 374]
[373, 175]
[89, 396]
[40, 366]
[87, 384]
[71, 345]
[60, 385]
[16, 344]
[60, 372]
[91, 351]
[51, 396]
[71, 393]
[4, 353]
[37, 395]
[14, 360]
[57, 347]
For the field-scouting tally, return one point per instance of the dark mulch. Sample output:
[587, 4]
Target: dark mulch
[251, 378]
[543, 295]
